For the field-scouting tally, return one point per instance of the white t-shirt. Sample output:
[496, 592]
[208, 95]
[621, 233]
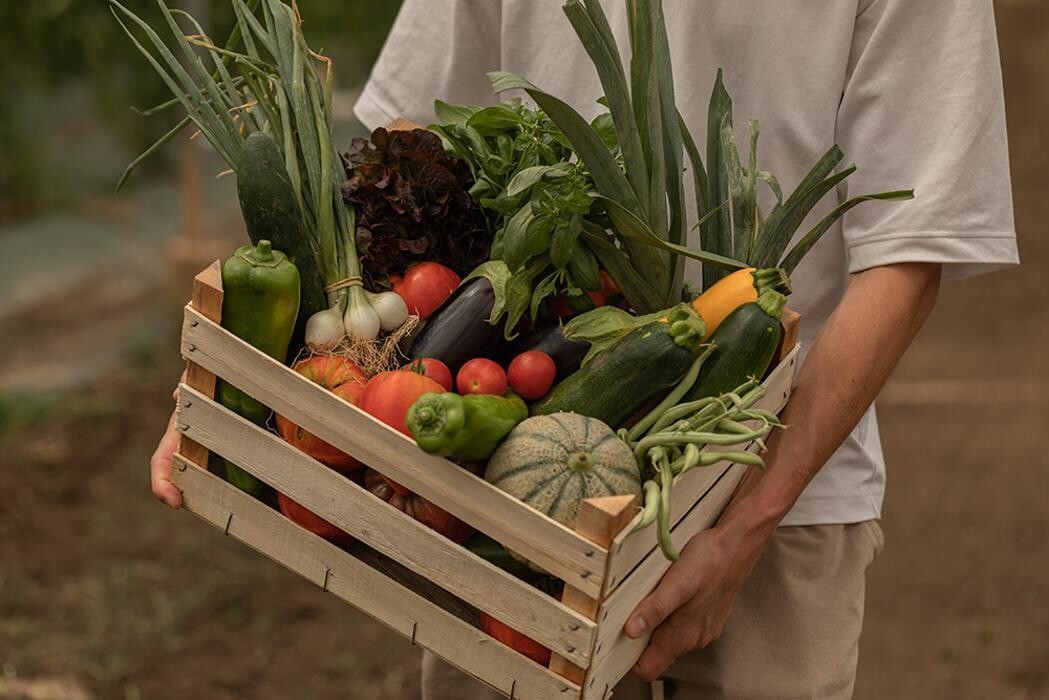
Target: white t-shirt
[910, 89]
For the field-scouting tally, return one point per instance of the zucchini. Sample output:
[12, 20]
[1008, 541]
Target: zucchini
[271, 212]
[623, 379]
[744, 345]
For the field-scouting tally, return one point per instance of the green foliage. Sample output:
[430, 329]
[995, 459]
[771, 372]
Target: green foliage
[50, 46]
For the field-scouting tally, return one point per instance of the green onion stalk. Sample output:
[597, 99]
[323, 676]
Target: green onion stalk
[265, 78]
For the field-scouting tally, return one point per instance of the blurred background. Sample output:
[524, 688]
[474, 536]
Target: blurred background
[106, 594]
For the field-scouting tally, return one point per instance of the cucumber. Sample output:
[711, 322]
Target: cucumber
[744, 345]
[622, 380]
[270, 211]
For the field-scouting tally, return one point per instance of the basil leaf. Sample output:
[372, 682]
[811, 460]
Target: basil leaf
[582, 265]
[525, 179]
[516, 248]
[448, 114]
[564, 240]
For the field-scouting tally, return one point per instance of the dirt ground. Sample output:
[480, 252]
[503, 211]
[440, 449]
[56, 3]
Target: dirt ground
[106, 594]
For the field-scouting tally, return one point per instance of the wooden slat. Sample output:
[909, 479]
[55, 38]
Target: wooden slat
[599, 520]
[507, 520]
[631, 547]
[615, 653]
[460, 644]
[791, 323]
[207, 299]
[388, 530]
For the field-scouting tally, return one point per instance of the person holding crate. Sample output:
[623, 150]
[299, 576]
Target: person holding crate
[769, 602]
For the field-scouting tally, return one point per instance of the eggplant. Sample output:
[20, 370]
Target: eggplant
[459, 329]
[567, 354]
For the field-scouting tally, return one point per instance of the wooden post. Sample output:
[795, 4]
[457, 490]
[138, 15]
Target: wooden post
[207, 299]
[599, 520]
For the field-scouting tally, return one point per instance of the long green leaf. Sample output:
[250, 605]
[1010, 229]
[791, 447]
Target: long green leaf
[716, 234]
[638, 292]
[631, 227]
[777, 239]
[812, 237]
[160, 143]
[639, 24]
[199, 111]
[673, 157]
[753, 211]
[784, 220]
[699, 172]
[215, 101]
[657, 195]
[591, 26]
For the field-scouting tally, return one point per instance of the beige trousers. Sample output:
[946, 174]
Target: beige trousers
[794, 630]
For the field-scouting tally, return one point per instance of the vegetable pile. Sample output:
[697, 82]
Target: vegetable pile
[506, 287]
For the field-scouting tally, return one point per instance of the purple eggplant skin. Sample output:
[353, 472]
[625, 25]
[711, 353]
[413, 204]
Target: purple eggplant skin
[459, 329]
[567, 354]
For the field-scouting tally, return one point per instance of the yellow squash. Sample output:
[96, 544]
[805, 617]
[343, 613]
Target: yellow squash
[741, 287]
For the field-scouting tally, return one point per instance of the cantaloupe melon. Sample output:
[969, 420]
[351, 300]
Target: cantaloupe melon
[553, 462]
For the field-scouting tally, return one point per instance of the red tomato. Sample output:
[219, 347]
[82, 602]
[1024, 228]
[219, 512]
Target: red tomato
[515, 640]
[481, 376]
[609, 288]
[311, 521]
[531, 374]
[425, 287]
[434, 369]
[345, 379]
[418, 508]
[389, 395]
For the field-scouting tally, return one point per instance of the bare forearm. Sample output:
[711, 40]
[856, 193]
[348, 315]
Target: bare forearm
[881, 312]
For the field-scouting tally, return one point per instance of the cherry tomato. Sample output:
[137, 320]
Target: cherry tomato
[434, 369]
[426, 286]
[481, 376]
[531, 374]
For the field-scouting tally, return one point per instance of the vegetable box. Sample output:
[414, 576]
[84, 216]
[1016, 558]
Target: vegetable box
[399, 571]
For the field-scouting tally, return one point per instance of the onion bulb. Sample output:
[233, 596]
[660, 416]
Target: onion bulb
[325, 330]
[390, 307]
[360, 321]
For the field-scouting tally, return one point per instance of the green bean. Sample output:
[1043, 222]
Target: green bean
[688, 459]
[731, 426]
[671, 399]
[680, 412]
[708, 458]
[651, 509]
[666, 478]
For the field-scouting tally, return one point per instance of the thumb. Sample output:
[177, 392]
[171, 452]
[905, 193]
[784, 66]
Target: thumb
[671, 593]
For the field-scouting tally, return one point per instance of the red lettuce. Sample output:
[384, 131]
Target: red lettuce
[413, 204]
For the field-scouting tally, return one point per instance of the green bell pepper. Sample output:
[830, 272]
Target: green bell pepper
[464, 427]
[260, 303]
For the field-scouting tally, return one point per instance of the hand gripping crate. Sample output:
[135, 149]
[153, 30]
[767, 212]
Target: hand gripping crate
[401, 572]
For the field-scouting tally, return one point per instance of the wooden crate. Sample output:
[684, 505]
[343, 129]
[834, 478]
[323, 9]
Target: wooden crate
[408, 576]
